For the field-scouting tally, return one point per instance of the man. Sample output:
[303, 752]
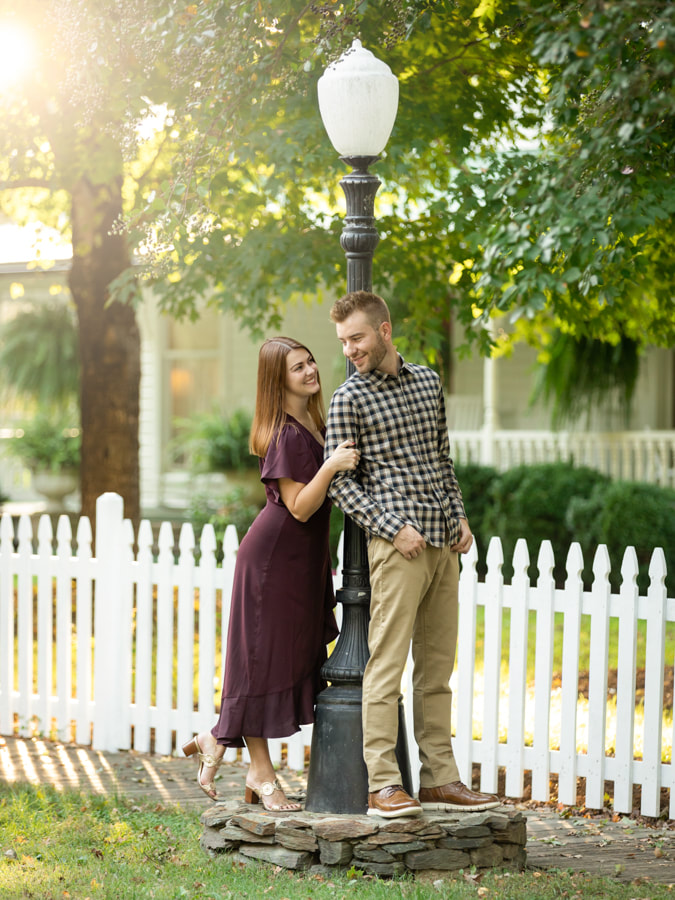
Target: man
[405, 496]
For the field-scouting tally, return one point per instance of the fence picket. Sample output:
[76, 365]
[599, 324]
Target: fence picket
[45, 626]
[107, 627]
[466, 664]
[407, 694]
[165, 630]
[84, 583]
[207, 626]
[519, 620]
[492, 663]
[143, 643]
[543, 596]
[25, 623]
[125, 625]
[654, 661]
[625, 682]
[7, 620]
[64, 626]
[185, 632]
[567, 776]
[120, 696]
[597, 681]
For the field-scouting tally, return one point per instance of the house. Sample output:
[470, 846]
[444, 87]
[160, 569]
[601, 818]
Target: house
[186, 367]
[211, 364]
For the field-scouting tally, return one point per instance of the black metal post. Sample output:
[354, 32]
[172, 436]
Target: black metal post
[338, 780]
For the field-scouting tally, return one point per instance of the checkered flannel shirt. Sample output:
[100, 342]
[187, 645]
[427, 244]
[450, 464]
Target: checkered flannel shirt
[405, 475]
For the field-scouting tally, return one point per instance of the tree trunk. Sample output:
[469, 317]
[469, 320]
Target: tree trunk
[109, 350]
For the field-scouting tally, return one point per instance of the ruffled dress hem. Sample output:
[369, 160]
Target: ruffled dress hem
[274, 715]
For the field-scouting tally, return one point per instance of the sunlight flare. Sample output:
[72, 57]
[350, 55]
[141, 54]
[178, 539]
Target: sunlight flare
[17, 54]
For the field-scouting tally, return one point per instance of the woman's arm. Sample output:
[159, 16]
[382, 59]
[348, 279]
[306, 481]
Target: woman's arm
[303, 500]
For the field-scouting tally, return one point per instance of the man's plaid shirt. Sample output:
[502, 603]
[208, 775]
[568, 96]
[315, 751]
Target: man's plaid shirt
[405, 474]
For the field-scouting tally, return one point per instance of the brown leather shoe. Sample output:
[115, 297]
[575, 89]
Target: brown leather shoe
[456, 796]
[392, 801]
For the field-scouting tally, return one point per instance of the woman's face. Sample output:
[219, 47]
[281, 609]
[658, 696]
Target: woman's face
[302, 374]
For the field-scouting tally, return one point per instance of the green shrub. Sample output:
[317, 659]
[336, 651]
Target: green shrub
[624, 514]
[213, 443]
[530, 501]
[476, 483]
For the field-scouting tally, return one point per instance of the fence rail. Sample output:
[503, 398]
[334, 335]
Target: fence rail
[122, 649]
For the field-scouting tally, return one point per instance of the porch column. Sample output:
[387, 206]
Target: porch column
[491, 424]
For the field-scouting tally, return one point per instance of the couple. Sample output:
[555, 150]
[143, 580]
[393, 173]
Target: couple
[383, 457]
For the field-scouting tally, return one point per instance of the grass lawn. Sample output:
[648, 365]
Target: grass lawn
[56, 845]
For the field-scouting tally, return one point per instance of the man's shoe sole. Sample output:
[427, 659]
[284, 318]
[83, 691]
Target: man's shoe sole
[395, 813]
[457, 807]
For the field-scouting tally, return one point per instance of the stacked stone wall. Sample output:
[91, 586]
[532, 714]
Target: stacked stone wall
[442, 842]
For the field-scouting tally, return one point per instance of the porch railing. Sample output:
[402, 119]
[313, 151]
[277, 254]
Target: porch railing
[627, 455]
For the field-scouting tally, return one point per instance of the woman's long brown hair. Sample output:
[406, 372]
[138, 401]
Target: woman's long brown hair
[269, 415]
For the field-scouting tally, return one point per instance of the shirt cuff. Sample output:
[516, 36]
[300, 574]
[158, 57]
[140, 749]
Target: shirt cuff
[388, 527]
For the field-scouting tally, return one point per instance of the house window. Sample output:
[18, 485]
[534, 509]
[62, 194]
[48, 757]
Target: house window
[194, 377]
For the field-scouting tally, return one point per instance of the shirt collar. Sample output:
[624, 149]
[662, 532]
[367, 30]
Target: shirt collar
[376, 377]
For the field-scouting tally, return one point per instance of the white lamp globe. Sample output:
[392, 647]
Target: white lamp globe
[358, 100]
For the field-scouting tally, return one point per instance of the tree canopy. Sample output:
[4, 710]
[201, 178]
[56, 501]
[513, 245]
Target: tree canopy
[249, 210]
[67, 167]
[529, 173]
[580, 226]
[530, 170]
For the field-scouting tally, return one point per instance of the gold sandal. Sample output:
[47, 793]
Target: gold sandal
[267, 788]
[205, 759]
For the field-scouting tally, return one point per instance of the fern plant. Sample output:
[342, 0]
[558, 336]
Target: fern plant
[39, 359]
[584, 374]
[215, 443]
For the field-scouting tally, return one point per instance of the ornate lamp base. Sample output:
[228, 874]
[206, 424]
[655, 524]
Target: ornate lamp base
[338, 780]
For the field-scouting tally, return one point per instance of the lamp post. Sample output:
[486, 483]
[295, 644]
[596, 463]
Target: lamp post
[358, 99]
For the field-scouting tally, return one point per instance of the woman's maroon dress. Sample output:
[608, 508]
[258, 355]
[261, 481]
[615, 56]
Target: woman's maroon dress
[281, 616]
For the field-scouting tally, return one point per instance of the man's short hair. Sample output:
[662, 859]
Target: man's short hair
[371, 304]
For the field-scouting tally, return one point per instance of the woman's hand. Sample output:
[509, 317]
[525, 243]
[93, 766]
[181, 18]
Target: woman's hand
[344, 457]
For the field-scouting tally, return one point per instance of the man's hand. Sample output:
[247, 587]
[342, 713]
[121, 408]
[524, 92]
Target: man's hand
[409, 542]
[465, 539]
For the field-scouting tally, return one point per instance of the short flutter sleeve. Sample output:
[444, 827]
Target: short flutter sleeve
[289, 457]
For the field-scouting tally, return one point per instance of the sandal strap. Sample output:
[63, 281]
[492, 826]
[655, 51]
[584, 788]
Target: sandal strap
[267, 788]
[210, 761]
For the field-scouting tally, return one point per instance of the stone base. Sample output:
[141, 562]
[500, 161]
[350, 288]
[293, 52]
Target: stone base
[441, 842]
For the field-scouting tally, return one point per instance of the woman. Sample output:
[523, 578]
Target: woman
[281, 615]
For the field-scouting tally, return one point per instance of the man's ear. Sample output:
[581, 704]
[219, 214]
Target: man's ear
[385, 330]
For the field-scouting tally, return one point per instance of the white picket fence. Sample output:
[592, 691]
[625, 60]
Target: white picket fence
[129, 655]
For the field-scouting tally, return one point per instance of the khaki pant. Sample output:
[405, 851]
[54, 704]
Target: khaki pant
[411, 599]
